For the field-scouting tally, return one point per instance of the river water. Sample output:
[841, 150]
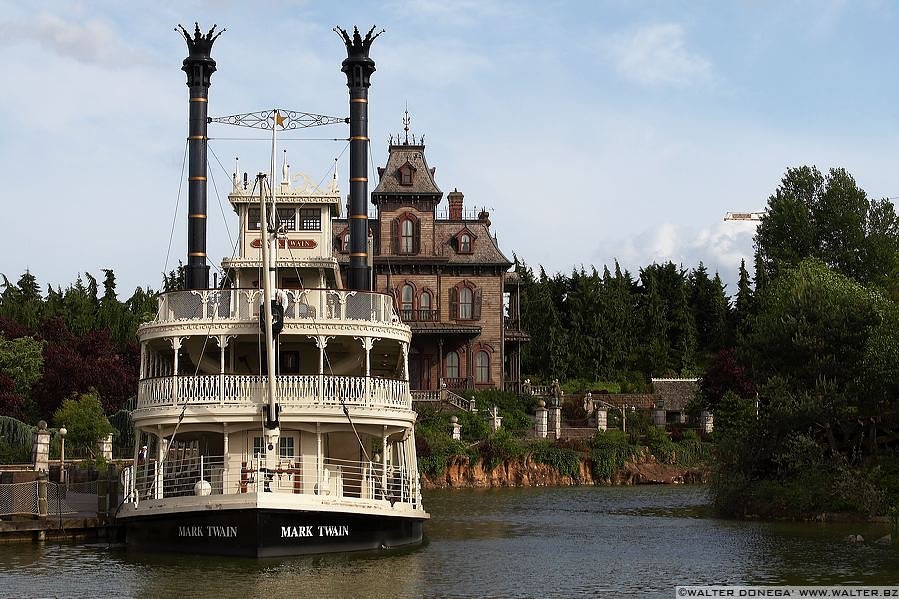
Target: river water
[581, 541]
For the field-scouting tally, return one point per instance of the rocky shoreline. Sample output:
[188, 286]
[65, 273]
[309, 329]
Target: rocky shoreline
[527, 472]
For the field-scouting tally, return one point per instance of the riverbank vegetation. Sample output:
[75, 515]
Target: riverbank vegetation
[605, 453]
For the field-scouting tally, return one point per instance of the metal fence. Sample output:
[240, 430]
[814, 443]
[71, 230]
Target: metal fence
[24, 499]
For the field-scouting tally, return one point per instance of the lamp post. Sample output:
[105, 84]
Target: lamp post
[62, 454]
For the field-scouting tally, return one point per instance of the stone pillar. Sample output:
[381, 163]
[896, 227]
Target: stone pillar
[706, 421]
[658, 417]
[105, 447]
[457, 428]
[602, 419]
[40, 448]
[42, 482]
[555, 421]
[496, 421]
[541, 419]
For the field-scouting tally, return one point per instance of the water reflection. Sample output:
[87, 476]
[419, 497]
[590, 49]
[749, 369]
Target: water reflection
[607, 542]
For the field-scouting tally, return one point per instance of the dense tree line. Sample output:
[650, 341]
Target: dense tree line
[614, 327]
[66, 343]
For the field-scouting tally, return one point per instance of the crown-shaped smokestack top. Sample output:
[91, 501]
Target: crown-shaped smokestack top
[199, 65]
[200, 45]
[357, 46]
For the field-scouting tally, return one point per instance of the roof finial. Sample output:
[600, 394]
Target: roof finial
[406, 121]
[285, 170]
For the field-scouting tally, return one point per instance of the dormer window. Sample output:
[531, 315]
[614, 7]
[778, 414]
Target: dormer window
[464, 241]
[406, 174]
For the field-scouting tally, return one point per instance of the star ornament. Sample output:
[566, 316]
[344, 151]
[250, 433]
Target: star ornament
[278, 119]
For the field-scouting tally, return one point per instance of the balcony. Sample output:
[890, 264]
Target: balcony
[293, 391]
[223, 305]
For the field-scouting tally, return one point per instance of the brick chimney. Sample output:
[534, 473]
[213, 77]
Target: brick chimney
[455, 204]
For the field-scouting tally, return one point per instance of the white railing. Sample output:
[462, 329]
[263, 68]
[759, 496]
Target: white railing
[303, 304]
[292, 391]
[334, 479]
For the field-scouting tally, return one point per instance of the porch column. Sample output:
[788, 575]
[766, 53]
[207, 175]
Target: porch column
[405, 349]
[176, 347]
[225, 458]
[440, 372]
[222, 341]
[384, 460]
[161, 450]
[131, 491]
[367, 345]
[321, 341]
[318, 457]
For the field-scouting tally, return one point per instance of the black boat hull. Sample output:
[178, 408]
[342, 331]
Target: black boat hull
[256, 532]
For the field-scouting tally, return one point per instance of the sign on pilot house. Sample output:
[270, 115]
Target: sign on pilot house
[294, 244]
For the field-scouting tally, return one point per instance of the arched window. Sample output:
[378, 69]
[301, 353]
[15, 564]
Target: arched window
[452, 365]
[466, 302]
[465, 243]
[407, 235]
[406, 305]
[482, 367]
[424, 306]
[345, 242]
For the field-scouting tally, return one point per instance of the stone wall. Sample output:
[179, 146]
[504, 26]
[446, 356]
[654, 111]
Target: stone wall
[526, 472]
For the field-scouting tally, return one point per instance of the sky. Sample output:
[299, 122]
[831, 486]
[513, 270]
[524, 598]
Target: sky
[591, 131]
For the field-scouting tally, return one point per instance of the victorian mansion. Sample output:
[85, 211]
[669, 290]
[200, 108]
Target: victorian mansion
[449, 279]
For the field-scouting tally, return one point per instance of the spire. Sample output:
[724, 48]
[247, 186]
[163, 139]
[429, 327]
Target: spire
[406, 121]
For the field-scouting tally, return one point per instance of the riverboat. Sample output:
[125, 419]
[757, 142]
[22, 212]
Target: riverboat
[274, 415]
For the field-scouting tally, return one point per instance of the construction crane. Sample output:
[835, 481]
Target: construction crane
[744, 216]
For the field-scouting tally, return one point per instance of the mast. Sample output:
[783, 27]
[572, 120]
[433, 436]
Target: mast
[272, 409]
[199, 67]
[358, 68]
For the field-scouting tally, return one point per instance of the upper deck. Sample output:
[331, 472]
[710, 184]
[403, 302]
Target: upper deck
[308, 311]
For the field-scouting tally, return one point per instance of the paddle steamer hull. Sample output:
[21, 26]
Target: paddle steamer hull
[255, 532]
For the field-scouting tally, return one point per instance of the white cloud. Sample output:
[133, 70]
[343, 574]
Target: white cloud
[658, 55]
[92, 41]
[720, 247]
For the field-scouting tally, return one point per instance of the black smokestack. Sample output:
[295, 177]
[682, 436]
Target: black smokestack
[358, 68]
[199, 67]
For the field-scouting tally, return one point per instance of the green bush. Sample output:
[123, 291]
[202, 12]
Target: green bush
[499, 447]
[581, 386]
[660, 445]
[85, 422]
[512, 408]
[610, 450]
[567, 462]
[435, 448]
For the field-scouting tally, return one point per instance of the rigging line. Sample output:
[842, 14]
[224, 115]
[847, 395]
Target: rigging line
[218, 195]
[168, 251]
[346, 410]
[281, 138]
[335, 164]
[385, 256]
[197, 370]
